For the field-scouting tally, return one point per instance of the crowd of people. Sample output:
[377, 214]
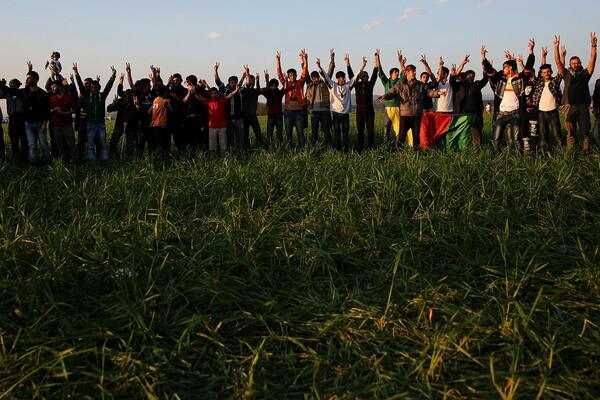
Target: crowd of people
[182, 116]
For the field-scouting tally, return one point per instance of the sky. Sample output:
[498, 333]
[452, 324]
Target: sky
[189, 36]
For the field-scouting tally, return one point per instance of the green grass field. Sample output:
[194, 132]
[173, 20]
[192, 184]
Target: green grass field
[310, 274]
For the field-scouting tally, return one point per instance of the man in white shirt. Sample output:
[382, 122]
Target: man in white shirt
[546, 98]
[341, 104]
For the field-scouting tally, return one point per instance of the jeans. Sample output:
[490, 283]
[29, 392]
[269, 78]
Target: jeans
[294, 118]
[96, 132]
[510, 124]
[34, 132]
[323, 119]
[341, 125]
[549, 119]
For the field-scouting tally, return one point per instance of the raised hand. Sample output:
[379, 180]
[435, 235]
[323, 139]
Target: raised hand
[556, 41]
[347, 58]
[483, 52]
[128, 68]
[113, 70]
[531, 45]
[75, 69]
[593, 39]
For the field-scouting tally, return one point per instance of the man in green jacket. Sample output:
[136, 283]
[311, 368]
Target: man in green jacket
[392, 110]
[94, 103]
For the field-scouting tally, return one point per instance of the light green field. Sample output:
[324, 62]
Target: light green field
[310, 274]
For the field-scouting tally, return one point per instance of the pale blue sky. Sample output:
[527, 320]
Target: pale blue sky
[188, 36]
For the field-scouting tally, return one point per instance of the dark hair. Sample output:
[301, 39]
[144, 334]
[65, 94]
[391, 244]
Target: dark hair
[314, 74]
[232, 78]
[445, 70]
[411, 67]
[545, 66]
[511, 63]
[161, 90]
[95, 83]
[56, 53]
[340, 74]
[213, 89]
[470, 72]
[177, 75]
[394, 70]
[273, 82]
[424, 73]
[144, 81]
[34, 75]
[192, 78]
[292, 71]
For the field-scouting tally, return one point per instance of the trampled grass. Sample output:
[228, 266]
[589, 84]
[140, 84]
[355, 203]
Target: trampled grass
[302, 275]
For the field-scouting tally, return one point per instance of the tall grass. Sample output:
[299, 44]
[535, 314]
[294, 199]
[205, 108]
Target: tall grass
[308, 274]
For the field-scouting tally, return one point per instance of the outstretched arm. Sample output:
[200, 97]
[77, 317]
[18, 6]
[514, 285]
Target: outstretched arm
[560, 65]
[462, 65]
[129, 78]
[362, 68]
[331, 67]
[216, 75]
[428, 70]
[594, 43]
[348, 66]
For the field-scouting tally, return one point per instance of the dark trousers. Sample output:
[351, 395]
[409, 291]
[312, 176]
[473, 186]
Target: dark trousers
[321, 119]
[341, 130]
[365, 118]
[251, 121]
[410, 122]
[549, 120]
[18, 138]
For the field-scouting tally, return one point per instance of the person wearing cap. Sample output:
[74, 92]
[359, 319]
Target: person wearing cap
[16, 118]
[509, 89]
[546, 99]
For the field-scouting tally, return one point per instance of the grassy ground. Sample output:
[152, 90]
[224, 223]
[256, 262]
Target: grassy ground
[302, 275]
